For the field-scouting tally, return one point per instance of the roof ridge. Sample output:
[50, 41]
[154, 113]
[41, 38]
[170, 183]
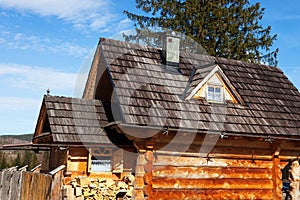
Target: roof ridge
[48, 97]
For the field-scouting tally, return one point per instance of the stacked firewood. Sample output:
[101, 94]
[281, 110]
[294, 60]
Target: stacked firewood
[99, 189]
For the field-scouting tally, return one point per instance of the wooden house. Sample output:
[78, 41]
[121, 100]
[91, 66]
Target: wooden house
[188, 126]
[72, 129]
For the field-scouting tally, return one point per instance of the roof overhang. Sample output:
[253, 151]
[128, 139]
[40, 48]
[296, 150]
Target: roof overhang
[193, 141]
[47, 147]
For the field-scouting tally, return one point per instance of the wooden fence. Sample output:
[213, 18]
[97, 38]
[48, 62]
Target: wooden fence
[30, 185]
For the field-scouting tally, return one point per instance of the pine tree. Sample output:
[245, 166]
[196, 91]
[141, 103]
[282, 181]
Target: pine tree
[29, 159]
[3, 162]
[17, 161]
[225, 28]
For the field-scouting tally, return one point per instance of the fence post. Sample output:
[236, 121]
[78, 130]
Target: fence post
[15, 185]
[56, 186]
[6, 183]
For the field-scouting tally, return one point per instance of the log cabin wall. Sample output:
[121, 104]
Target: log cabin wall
[166, 176]
[77, 162]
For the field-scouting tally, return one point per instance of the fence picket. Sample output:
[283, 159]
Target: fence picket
[6, 184]
[15, 186]
[24, 185]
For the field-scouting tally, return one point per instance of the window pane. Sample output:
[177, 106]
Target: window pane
[217, 97]
[217, 89]
[210, 95]
[210, 89]
[214, 93]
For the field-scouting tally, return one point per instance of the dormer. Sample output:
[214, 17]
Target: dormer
[210, 83]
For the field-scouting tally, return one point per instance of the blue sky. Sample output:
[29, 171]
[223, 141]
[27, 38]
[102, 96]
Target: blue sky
[48, 43]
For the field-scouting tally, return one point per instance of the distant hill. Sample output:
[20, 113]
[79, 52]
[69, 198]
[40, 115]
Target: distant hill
[9, 158]
[15, 139]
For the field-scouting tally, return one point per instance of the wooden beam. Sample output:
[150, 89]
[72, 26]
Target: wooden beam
[276, 179]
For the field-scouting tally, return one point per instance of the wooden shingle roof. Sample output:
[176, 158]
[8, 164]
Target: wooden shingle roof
[151, 94]
[72, 120]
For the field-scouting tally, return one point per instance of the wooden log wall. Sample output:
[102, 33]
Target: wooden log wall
[163, 176]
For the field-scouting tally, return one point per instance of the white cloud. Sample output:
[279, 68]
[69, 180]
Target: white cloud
[66, 9]
[119, 35]
[125, 23]
[36, 43]
[24, 42]
[36, 78]
[88, 13]
[71, 49]
[3, 14]
[22, 90]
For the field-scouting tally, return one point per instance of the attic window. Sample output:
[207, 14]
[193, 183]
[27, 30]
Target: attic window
[215, 93]
[215, 87]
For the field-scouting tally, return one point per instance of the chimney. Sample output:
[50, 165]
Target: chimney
[172, 49]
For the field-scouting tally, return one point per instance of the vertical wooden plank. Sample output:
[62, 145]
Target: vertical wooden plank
[6, 184]
[138, 193]
[48, 187]
[35, 186]
[276, 178]
[42, 185]
[117, 165]
[56, 185]
[15, 186]
[44, 192]
[57, 178]
[34, 190]
[148, 173]
[26, 185]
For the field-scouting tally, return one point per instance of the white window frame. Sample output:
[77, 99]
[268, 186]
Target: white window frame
[214, 100]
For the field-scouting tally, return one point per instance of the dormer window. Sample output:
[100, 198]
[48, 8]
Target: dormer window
[215, 93]
[214, 86]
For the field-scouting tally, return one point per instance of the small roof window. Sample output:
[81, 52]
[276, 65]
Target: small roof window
[215, 93]
[212, 85]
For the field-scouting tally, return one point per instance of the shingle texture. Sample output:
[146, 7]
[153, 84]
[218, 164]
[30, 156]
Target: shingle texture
[150, 93]
[76, 120]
